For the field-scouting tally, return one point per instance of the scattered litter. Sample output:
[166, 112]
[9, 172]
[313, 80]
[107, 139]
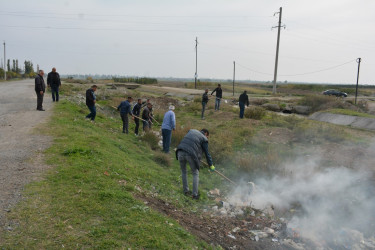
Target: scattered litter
[215, 192]
[275, 240]
[231, 236]
[256, 238]
[106, 173]
[236, 229]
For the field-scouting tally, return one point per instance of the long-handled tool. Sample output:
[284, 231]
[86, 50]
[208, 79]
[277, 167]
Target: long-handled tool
[155, 120]
[221, 175]
[132, 115]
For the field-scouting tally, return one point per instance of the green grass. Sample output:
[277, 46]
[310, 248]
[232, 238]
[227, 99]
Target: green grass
[83, 202]
[349, 112]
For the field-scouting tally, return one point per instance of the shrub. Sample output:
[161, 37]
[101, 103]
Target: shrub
[179, 133]
[316, 102]
[221, 147]
[162, 159]
[256, 113]
[258, 101]
[151, 139]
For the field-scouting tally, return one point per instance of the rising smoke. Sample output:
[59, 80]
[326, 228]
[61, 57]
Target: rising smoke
[328, 202]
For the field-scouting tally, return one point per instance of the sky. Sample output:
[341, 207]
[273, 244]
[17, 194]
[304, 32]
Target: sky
[320, 43]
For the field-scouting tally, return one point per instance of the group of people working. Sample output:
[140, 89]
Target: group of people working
[243, 100]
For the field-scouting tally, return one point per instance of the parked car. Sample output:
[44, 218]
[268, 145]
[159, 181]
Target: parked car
[335, 93]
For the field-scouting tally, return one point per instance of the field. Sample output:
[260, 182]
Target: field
[109, 190]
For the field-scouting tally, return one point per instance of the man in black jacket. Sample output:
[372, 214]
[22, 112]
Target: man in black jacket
[53, 81]
[190, 150]
[204, 102]
[146, 116]
[244, 99]
[40, 89]
[136, 112]
[219, 95]
[90, 102]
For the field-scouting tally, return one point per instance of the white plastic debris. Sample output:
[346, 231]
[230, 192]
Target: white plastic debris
[275, 240]
[236, 229]
[231, 236]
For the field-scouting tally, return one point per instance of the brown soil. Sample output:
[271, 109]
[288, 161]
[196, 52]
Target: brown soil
[214, 230]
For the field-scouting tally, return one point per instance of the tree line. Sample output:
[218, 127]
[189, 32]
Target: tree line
[14, 70]
[140, 80]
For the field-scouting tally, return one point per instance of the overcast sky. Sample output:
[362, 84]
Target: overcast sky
[321, 42]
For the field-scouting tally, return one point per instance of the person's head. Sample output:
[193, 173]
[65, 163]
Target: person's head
[245, 92]
[205, 132]
[53, 69]
[171, 107]
[206, 90]
[94, 87]
[149, 105]
[219, 85]
[41, 72]
[148, 101]
[130, 98]
[140, 101]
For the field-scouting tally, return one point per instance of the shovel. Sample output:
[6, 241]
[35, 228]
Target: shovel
[222, 175]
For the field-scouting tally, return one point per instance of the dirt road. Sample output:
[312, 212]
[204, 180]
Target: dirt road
[20, 142]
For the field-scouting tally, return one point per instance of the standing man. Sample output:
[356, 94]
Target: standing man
[90, 102]
[204, 102]
[190, 150]
[125, 108]
[136, 112]
[40, 89]
[244, 99]
[53, 82]
[169, 124]
[219, 95]
[146, 117]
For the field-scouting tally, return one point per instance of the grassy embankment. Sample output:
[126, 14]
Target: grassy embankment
[88, 198]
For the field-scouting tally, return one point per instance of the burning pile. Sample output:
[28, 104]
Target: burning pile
[313, 208]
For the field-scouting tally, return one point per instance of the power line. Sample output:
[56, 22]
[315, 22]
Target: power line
[317, 71]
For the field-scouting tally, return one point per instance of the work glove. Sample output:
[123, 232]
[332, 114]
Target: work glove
[212, 168]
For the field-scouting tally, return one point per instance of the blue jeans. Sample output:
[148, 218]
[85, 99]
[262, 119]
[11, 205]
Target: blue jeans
[55, 90]
[184, 158]
[203, 108]
[217, 103]
[242, 109]
[93, 112]
[167, 137]
[146, 126]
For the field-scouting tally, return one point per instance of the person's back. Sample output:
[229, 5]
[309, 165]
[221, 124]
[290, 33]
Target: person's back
[125, 107]
[244, 98]
[192, 144]
[53, 79]
[146, 113]
[169, 120]
[90, 97]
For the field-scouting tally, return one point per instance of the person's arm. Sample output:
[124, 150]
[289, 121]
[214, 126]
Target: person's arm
[130, 110]
[38, 83]
[58, 79]
[173, 121]
[119, 106]
[208, 156]
[48, 80]
[247, 101]
[213, 91]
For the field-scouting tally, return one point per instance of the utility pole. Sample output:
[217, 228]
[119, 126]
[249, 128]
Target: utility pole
[5, 70]
[277, 49]
[356, 88]
[234, 74]
[196, 61]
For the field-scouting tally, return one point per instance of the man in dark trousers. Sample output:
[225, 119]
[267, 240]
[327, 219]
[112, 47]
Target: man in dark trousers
[136, 112]
[125, 108]
[204, 102]
[40, 89]
[244, 100]
[146, 117]
[190, 150]
[219, 95]
[53, 82]
[90, 102]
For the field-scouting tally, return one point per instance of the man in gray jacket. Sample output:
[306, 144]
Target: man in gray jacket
[190, 150]
[40, 89]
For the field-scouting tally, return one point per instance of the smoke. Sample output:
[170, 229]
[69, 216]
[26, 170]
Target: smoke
[326, 201]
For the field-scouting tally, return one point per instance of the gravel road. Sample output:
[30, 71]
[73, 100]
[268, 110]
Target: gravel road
[21, 141]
